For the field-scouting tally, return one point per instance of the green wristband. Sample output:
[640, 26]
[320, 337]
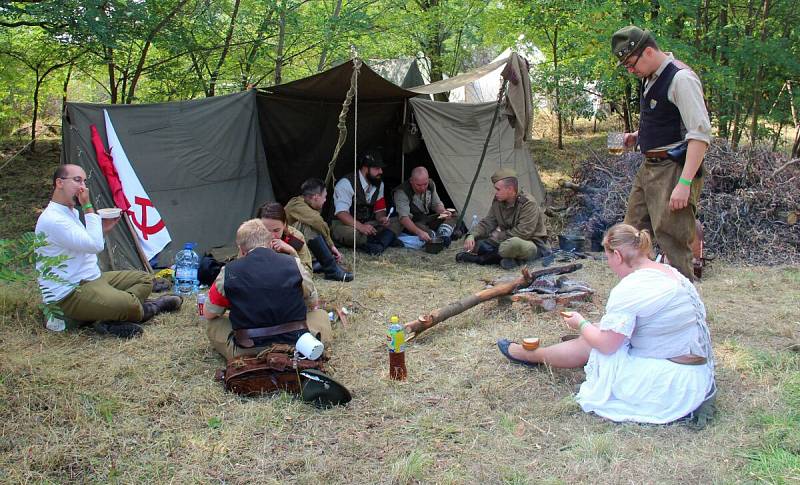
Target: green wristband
[583, 323]
[685, 182]
[88, 206]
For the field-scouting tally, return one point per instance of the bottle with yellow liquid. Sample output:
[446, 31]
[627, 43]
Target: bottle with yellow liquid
[397, 349]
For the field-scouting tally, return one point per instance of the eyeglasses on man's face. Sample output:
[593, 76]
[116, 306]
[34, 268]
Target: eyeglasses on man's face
[77, 179]
[631, 65]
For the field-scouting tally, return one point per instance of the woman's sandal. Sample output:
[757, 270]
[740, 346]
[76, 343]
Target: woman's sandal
[503, 344]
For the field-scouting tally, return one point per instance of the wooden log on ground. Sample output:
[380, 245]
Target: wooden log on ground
[550, 302]
[424, 322]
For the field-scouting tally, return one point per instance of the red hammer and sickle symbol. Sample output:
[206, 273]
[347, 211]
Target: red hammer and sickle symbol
[146, 230]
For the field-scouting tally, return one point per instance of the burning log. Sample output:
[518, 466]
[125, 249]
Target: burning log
[501, 288]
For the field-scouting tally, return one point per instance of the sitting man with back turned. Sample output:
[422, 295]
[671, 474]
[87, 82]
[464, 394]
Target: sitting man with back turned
[303, 213]
[513, 232]
[115, 300]
[374, 231]
[420, 210]
[270, 295]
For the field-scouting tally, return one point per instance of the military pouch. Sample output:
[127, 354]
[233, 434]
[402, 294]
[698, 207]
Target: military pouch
[678, 155]
[276, 368]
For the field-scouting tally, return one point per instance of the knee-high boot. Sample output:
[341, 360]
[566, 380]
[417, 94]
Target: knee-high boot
[322, 252]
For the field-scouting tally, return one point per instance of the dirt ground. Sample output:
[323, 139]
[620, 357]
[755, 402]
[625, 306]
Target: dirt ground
[78, 407]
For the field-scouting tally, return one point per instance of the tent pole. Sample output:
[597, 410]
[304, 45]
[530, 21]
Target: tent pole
[483, 153]
[402, 151]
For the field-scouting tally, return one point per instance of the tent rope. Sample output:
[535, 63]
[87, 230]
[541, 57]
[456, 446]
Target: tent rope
[500, 96]
[15, 155]
[354, 89]
[342, 124]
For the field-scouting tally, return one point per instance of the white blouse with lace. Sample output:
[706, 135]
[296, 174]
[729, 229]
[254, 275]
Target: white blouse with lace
[661, 317]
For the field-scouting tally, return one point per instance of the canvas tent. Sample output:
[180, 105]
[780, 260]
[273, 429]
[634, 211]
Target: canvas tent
[208, 164]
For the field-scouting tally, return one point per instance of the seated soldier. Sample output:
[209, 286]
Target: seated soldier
[115, 300]
[303, 213]
[513, 232]
[270, 295]
[374, 231]
[420, 210]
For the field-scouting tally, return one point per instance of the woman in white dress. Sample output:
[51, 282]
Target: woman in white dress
[649, 357]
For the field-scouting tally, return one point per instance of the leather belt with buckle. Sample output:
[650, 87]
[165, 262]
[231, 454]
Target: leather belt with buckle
[244, 336]
[656, 155]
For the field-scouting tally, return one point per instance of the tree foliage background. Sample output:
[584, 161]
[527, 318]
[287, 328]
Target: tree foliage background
[747, 52]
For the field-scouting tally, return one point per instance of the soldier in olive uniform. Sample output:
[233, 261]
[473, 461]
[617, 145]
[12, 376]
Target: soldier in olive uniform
[513, 232]
[303, 213]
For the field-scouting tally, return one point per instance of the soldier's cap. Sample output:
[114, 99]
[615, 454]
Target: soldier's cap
[322, 390]
[627, 41]
[503, 173]
[371, 158]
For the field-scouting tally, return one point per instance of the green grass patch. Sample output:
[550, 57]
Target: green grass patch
[777, 459]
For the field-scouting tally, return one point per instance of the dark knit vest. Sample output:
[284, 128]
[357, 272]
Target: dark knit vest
[265, 289]
[417, 212]
[660, 121]
[364, 209]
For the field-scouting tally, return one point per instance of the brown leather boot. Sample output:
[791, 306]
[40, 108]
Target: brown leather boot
[166, 303]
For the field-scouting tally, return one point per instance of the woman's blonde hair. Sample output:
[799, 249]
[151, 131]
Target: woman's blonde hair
[252, 234]
[629, 241]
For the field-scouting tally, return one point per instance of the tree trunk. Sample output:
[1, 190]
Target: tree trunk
[759, 77]
[214, 75]
[627, 118]
[554, 46]
[112, 78]
[64, 89]
[279, 48]
[35, 109]
[323, 57]
[148, 42]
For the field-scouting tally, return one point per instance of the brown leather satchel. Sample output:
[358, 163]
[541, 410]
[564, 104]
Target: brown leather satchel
[274, 369]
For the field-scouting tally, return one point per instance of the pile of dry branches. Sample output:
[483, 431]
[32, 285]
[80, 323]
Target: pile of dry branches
[749, 204]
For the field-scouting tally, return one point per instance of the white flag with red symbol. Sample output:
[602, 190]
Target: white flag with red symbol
[152, 233]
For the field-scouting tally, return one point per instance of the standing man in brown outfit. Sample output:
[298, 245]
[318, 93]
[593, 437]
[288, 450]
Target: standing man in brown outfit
[672, 114]
[513, 232]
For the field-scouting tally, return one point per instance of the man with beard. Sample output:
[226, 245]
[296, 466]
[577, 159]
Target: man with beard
[115, 300]
[374, 232]
[513, 232]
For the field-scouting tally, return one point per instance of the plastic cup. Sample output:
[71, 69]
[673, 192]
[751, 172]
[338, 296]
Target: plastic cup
[615, 143]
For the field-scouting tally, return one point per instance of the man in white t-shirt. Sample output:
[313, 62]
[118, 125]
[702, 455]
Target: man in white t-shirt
[115, 300]
[374, 231]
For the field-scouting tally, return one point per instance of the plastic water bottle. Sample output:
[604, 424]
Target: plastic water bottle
[397, 347]
[474, 222]
[187, 263]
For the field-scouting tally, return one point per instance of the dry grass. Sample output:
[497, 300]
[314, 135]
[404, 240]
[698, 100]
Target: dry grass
[80, 408]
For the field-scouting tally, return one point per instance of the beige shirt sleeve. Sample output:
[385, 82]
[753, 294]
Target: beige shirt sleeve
[401, 203]
[686, 92]
[309, 290]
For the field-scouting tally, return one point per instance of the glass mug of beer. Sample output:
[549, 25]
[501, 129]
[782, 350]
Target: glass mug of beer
[615, 143]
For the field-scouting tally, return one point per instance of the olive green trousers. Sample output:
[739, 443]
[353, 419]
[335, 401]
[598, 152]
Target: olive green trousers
[343, 234]
[114, 296]
[648, 208]
[220, 334]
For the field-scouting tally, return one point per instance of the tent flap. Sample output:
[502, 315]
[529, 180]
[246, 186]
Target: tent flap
[202, 163]
[455, 134]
